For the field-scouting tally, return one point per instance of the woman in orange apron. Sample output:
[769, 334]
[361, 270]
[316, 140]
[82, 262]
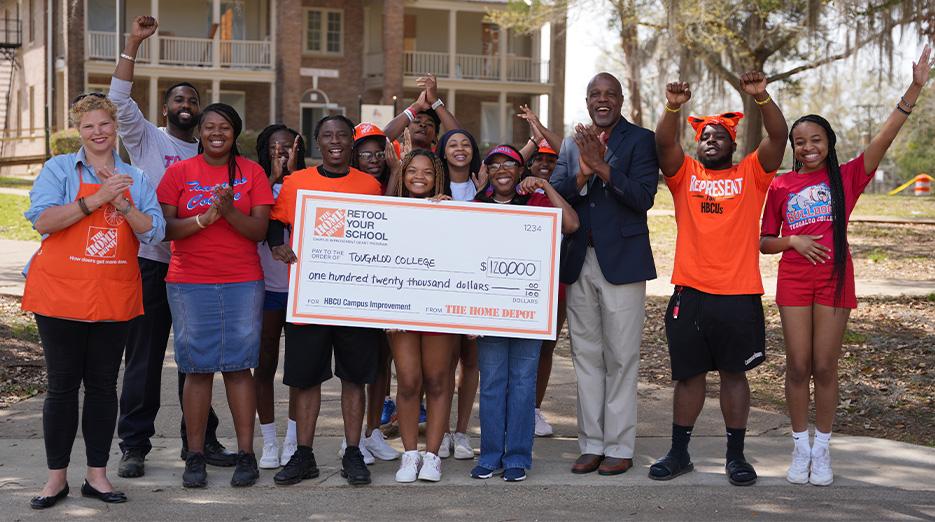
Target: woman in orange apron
[83, 284]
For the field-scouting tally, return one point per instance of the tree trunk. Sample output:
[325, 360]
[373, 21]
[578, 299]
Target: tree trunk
[753, 124]
[629, 43]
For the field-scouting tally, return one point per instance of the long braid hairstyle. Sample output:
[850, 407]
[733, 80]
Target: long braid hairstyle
[262, 148]
[838, 211]
[440, 178]
[230, 114]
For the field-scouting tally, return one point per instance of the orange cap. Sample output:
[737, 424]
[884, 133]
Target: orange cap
[366, 130]
[544, 148]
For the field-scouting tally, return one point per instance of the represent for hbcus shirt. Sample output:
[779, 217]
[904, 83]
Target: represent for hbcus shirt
[217, 254]
[800, 204]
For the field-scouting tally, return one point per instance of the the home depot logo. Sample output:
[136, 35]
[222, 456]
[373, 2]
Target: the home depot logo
[102, 242]
[330, 222]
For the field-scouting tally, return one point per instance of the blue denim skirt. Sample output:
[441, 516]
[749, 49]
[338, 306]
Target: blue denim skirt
[217, 326]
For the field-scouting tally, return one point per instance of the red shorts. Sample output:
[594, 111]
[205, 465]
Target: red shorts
[804, 284]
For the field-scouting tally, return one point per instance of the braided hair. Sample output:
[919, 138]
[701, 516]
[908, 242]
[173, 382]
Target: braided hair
[440, 178]
[262, 148]
[838, 217]
[230, 114]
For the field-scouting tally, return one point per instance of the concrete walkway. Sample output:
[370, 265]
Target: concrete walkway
[875, 479]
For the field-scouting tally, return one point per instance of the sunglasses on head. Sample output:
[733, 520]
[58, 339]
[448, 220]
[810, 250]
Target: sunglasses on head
[85, 95]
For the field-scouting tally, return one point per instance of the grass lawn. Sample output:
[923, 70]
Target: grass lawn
[12, 223]
[14, 182]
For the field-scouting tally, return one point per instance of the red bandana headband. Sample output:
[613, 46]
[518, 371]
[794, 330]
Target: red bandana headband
[728, 120]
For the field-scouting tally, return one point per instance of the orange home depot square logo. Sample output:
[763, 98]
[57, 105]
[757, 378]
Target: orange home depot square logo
[330, 222]
[102, 242]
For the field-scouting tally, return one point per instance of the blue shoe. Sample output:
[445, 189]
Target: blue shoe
[480, 472]
[389, 410]
[422, 414]
[514, 474]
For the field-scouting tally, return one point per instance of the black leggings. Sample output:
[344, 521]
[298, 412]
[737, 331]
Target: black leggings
[79, 353]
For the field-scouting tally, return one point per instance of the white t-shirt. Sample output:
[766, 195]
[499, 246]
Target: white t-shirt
[275, 272]
[151, 149]
[463, 190]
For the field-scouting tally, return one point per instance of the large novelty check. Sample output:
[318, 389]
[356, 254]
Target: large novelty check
[410, 264]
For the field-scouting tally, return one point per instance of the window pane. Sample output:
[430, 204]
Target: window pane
[334, 32]
[313, 31]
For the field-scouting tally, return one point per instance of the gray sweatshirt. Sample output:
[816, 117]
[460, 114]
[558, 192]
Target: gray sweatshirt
[151, 149]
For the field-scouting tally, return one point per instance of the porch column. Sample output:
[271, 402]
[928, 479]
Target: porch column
[393, 20]
[450, 101]
[154, 47]
[272, 49]
[272, 102]
[216, 41]
[452, 44]
[154, 100]
[503, 47]
[215, 89]
[502, 113]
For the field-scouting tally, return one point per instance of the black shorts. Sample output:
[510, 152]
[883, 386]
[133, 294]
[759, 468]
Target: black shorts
[307, 360]
[714, 332]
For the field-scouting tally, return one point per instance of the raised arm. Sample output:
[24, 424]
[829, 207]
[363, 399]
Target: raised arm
[773, 146]
[133, 125]
[395, 128]
[430, 85]
[668, 146]
[538, 130]
[143, 28]
[883, 139]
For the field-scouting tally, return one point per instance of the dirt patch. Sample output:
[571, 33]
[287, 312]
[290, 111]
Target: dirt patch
[887, 367]
[22, 368]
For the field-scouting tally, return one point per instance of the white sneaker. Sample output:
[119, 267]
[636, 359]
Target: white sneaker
[444, 451]
[377, 446]
[798, 470]
[270, 458]
[463, 449]
[821, 474]
[543, 428]
[431, 469]
[368, 457]
[288, 449]
[409, 467]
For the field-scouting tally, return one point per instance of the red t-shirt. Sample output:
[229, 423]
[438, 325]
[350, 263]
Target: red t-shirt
[217, 254]
[800, 204]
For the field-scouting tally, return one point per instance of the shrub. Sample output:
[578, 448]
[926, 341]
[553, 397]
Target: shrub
[246, 144]
[64, 141]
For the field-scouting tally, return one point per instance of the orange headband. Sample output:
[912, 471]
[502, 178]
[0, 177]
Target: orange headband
[728, 120]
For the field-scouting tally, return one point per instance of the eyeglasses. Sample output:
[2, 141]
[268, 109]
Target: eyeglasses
[85, 95]
[494, 167]
[370, 156]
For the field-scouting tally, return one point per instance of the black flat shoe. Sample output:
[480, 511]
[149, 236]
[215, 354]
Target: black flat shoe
[110, 497]
[47, 502]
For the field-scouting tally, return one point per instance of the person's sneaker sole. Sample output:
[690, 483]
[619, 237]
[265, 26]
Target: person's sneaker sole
[795, 480]
[244, 483]
[131, 472]
[291, 481]
[355, 481]
[268, 464]
[821, 483]
[194, 484]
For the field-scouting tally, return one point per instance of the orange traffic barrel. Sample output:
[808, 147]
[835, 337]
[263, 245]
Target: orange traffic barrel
[923, 186]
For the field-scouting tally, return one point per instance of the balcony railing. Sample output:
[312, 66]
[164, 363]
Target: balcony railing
[188, 52]
[11, 32]
[467, 66]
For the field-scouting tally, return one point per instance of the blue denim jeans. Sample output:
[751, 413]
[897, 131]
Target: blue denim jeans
[507, 400]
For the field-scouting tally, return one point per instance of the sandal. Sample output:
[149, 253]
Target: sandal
[740, 472]
[669, 467]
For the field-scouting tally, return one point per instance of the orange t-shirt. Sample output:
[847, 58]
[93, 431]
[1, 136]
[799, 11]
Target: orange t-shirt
[354, 182]
[718, 217]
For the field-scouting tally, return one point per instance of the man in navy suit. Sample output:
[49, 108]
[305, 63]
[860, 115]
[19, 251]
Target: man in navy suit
[608, 172]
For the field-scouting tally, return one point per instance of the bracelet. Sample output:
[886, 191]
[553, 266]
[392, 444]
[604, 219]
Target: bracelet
[764, 102]
[408, 113]
[909, 106]
[84, 207]
[670, 109]
[198, 221]
[904, 111]
[437, 103]
[128, 58]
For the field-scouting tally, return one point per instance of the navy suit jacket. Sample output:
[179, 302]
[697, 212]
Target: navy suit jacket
[614, 213]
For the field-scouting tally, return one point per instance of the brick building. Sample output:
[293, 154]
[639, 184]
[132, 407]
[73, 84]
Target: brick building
[289, 61]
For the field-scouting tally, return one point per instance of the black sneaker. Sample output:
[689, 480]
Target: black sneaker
[246, 472]
[195, 475]
[215, 454]
[300, 467]
[132, 463]
[353, 467]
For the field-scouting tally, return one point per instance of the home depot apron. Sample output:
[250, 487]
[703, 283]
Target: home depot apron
[88, 271]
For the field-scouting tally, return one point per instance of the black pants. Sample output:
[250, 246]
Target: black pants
[79, 353]
[142, 375]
